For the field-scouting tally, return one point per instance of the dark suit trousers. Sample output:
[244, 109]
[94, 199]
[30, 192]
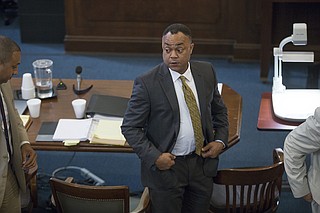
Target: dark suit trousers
[186, 190]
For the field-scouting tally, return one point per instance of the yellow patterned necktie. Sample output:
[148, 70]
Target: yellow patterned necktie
[194, 114]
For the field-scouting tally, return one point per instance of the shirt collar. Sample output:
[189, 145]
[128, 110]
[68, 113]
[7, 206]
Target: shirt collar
[175, 75]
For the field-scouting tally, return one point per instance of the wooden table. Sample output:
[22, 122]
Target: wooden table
[59, 107]
[267, 120]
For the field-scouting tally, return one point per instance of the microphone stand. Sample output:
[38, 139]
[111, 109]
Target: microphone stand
[77, 90]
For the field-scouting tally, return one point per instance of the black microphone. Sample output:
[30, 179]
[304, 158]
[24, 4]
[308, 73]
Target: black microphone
[78, 91]
[78, 72]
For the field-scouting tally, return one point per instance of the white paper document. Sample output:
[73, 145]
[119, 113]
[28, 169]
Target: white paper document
[73, 129]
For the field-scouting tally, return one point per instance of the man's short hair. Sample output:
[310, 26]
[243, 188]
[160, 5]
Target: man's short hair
[177, 27]
[7, 47]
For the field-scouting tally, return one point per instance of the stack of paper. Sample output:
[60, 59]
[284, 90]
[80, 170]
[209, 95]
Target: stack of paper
[72, 129]
[108, 132]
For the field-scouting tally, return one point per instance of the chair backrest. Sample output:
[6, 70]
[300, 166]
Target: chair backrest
[72, 197]
[254, 189]
[278, 157]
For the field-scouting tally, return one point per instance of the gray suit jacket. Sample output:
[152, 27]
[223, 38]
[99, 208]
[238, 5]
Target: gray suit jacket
[299, 143]
[152, 120]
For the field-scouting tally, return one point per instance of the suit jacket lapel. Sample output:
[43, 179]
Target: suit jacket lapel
[5, 93]
[168, 88]
[199, 82]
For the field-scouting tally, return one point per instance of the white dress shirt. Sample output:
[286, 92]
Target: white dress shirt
[185, 141]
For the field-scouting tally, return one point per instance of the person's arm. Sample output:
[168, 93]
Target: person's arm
[212, 149]
[308, 197]
[29, 156]
[220, 123]
[219, 113]
[134, 123]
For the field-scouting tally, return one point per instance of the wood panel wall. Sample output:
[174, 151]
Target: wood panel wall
[42, 21]
[225, 28]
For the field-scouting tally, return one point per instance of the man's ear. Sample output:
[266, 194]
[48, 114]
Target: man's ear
[191, 48]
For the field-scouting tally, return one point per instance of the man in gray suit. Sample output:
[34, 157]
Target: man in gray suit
[303, 141]
[158, 125]
[16, 153]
